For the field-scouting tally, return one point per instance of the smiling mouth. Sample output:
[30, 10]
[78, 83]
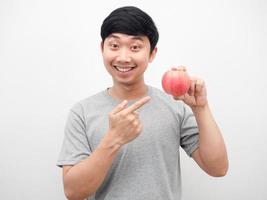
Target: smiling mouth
[123, 69]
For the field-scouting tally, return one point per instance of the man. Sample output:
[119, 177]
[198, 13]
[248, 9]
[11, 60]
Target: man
[123, 143]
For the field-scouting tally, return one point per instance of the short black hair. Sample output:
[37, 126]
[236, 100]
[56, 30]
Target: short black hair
[130, 20]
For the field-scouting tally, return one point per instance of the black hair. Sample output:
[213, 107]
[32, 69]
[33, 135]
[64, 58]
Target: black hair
[130, 20]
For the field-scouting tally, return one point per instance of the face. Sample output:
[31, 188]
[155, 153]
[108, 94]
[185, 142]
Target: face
[126, 57]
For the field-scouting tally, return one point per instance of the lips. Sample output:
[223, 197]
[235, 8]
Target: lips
[124, 69]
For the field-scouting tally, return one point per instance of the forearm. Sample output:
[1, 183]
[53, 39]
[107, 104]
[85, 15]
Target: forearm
[83, 179]
[212, 149]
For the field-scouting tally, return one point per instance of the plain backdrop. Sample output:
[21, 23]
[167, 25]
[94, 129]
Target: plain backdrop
[50, 59]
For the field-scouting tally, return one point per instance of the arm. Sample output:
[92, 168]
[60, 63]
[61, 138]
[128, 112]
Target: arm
[211, 155]
[83, 179]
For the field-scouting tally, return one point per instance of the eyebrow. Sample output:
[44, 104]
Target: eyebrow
[131, 37]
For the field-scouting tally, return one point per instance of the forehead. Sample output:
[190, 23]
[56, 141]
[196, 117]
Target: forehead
[125, 37]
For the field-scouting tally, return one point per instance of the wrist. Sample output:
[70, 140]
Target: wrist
[109, 143]
[200, 109]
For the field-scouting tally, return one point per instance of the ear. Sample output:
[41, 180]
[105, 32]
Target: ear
[153, 54]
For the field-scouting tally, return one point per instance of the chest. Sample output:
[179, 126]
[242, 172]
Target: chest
[161, 130]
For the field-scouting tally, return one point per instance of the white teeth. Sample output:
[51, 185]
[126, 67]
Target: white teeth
[123, 69]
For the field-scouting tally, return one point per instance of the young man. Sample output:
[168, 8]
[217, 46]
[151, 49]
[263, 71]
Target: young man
[123, 143]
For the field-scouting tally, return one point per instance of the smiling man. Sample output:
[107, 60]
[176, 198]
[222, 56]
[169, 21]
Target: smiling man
[123, 142]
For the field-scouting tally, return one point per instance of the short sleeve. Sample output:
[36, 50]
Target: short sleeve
[75, 144]
[189, 140]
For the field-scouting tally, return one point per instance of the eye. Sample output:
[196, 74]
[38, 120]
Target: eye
[114, 46]
[135, 47]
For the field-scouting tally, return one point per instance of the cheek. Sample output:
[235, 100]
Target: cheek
[142, 58]
[107, 57]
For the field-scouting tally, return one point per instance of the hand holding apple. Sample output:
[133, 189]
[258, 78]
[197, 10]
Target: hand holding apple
[178, 83]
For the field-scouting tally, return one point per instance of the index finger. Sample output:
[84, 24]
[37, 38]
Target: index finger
[137, 104]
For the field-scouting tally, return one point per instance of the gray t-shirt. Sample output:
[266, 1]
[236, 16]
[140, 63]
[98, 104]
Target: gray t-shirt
[149, 166]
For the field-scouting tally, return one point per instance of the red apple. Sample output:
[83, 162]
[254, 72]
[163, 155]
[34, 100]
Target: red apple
[176, 82]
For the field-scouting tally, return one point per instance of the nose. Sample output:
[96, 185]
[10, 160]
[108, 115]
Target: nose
[124, 55]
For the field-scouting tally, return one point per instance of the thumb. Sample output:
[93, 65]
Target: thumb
[119, 107]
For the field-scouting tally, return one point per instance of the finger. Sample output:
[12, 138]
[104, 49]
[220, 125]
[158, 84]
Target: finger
[135, 123]
[199, 86]
[139, 128]
[191, 90]
[130, 118]
[179, 68]
[137, 105]
[119, 107]
[182, 68]
[136, 114]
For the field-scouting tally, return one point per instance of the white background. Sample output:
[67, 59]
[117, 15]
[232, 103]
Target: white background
[50, 59]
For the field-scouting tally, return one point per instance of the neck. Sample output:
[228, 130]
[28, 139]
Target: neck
[128, 92]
